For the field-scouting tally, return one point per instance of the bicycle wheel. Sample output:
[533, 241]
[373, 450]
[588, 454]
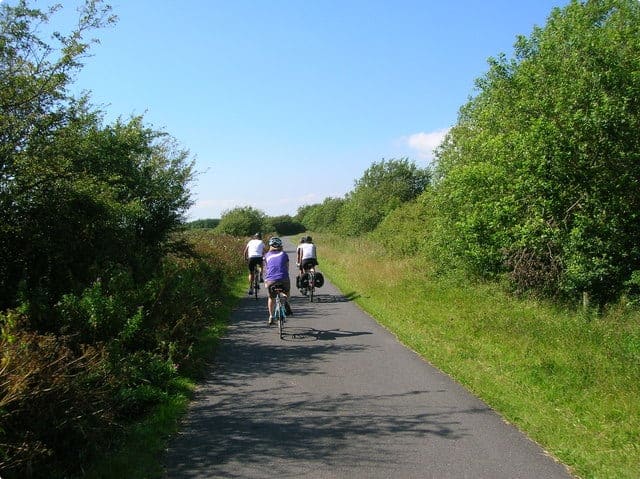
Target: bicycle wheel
[281, 315]
[312, 285]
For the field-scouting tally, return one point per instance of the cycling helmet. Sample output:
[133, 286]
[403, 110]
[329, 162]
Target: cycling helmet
[257, 236]
[275, 242]
[308, 239]
[303, 239]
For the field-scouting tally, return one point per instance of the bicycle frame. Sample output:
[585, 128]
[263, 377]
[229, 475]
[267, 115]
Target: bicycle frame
[279, 311]
[311, 271]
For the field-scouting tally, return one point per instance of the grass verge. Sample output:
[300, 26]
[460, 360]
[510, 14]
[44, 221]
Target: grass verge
[569, 380]
[139, 454]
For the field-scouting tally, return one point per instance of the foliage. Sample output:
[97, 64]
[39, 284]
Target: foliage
[406, 230]
[63, 398]
[243, 221]
[384, 186]
[285, 225]
[55, 400]
[539, 176]
[202, 223]
[77, 197]
[100, 301]
[322, 216]
[570, 384]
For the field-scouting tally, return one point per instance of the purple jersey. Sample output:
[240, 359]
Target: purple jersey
[277, 265]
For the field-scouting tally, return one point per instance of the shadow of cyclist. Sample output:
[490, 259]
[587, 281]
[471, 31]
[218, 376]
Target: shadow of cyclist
[312, 334]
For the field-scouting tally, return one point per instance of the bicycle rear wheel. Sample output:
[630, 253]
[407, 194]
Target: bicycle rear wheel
[312, 286]
[281, 315]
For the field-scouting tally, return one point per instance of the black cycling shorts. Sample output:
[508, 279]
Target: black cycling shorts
[255, 261]
[308, 263]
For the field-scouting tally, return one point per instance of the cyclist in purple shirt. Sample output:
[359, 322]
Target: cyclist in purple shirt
[276, 270]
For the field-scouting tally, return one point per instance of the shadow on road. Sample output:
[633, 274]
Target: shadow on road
[311, 334]
[308, 429]
[252, 410]
[336, 298]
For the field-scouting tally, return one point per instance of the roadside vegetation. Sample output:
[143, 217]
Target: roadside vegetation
[569, 379]
[103, 300]
[511, 262]
[515, 268]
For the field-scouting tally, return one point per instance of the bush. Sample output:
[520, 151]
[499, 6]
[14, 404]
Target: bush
[55, 402]
[64, 397]
[538, 178]
[243, 221]
[285, 225]
[384, 186]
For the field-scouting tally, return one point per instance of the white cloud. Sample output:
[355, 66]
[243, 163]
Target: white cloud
[425, 143]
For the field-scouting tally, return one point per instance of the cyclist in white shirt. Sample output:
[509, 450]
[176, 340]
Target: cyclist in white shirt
[302, 241]
[306, 256]
[253, 253]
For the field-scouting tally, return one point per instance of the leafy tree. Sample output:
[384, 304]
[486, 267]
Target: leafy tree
[33, 106]
[384, 186]
[539, 176]
[243, 221]
[77, 197]
[322, 216]
[286, 225]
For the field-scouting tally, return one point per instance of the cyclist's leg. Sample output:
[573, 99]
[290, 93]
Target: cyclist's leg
[286, 283]
[271, 299]
[256, 278]
[252, 267]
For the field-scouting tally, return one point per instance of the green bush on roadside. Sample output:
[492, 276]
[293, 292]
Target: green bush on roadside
[64, 398]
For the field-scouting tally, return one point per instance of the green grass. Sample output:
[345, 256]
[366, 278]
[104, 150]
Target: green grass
[139, 453]
[569, 380]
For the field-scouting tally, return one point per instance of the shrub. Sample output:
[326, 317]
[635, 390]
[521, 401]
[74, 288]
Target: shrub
[55, 402]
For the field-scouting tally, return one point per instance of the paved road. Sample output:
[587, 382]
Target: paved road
[339, 397]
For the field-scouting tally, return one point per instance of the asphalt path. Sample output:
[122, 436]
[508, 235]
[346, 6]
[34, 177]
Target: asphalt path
[339, 397]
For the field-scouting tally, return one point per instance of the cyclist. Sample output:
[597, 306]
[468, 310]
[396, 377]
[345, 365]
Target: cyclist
[307, 258]
[253, 253]
[276, 270]
[302, 241]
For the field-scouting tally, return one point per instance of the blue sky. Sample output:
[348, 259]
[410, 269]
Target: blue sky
[284, 103]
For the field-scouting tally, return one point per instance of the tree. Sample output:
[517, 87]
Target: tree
[322, 216]
[33, 106]
[539, 176]
[384, 186]
[286, 225]
[242, 221]
[77, 197]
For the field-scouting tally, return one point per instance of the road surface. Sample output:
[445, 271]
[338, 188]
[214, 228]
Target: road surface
[339, 397]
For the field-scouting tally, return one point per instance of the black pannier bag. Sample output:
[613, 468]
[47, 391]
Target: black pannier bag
[319, 280]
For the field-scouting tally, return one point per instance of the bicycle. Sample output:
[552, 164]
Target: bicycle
[279, 309]
[255, 286]
[310, 288]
